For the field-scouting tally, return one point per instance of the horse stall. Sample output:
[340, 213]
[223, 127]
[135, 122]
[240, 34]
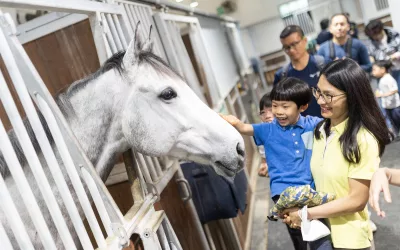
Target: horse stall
[146, 199]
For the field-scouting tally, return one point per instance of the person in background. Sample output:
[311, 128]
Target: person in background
[343, 45]
[380, 183]
[353, 27]
[384, 44]
[266, 115]
[302, 65]
[388, 92]
[324, 35]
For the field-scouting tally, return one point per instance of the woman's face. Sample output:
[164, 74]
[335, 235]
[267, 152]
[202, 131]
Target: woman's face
[333, 101]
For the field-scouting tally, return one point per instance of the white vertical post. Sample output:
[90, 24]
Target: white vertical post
[13, 218]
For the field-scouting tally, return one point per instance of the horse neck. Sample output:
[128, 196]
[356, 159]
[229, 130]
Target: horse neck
[96, 122]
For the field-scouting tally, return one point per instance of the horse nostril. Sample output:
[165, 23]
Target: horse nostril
[239, 150]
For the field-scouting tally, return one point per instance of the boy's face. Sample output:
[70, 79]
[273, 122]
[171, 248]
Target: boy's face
[266, 114]
[286, 112]
[377, 71]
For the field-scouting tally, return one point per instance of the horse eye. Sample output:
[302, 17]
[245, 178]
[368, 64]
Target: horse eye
[168, 94]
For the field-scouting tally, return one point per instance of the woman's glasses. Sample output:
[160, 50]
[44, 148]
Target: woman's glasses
[327, 97]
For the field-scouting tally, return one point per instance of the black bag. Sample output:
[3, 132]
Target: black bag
[213, 196]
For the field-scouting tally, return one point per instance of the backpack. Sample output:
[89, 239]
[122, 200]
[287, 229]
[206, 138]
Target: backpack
[347, 49]
[320, 60]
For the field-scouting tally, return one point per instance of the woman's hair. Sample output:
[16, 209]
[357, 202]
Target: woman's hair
[265, 101]
[292, 89]
[384, 64]
[363, 111]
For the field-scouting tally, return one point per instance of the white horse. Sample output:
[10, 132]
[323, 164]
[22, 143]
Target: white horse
[135, 100]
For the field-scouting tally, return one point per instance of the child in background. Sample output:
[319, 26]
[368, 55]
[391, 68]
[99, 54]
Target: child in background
[388, 92]
[265, 116]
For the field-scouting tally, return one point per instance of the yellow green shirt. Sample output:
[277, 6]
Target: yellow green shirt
[331, 173]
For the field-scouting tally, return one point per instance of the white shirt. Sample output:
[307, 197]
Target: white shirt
[387, 84]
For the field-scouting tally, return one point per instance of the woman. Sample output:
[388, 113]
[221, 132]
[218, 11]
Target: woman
[347, 147]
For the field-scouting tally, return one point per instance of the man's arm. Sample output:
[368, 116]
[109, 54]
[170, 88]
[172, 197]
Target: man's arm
[365, 62]
[243, 128]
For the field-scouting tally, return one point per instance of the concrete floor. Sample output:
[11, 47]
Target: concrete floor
[274, 236]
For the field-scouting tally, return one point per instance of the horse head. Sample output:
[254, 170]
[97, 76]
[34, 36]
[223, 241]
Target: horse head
[163, 116]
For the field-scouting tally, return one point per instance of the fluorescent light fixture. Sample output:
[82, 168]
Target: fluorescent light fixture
[178, 1]
[194, 4]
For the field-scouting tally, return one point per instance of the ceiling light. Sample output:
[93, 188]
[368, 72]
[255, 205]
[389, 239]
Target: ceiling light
[178, 1]
[194, 4]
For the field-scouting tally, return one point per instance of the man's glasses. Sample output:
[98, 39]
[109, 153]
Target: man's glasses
[292, 45]
[327, 97]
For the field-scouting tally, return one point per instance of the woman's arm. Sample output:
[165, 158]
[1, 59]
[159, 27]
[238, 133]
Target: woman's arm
[380, 183]
[354, 202]
[243, 128]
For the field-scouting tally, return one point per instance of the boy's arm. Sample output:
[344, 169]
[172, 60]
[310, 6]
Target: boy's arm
[243, 128]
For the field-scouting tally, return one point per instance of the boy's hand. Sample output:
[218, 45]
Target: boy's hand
[233, 120]
[245, 129]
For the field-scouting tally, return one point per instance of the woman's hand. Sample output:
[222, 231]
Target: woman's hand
[291, 217]
[379, 183]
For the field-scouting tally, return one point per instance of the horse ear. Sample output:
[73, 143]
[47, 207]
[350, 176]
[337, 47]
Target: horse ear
[148, 45]
[132, 52]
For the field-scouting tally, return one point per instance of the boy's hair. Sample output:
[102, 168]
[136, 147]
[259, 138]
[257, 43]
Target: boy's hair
[384, 64]
[341, 14]
[292, 89]
[324, 24]
[265, 101]
[288, 30]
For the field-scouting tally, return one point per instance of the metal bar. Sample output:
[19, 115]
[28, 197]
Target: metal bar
[7, 204]
[27, 146]
[150, 166]
[171, 236]
[61, 184]
[157, 166]
[143, 167]
[100, 40]
[142, 22]
[163, 238]
[5, 241]
[124, 41]
[71, 6]
[130, 15]
[108, 34]
[72, 171]
[209, 237]
[133, 171]
[190, 205]
[98, 201]
[114, 32]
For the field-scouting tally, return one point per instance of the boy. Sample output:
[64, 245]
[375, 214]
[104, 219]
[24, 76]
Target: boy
[388, 92]
[265, 116]
[288, 143]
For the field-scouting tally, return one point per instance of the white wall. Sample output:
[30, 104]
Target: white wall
[219, 53]
[265, 36]
[369, 10]
[394, 9]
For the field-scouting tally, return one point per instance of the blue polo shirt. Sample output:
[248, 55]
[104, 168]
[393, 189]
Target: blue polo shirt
[288, 152]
